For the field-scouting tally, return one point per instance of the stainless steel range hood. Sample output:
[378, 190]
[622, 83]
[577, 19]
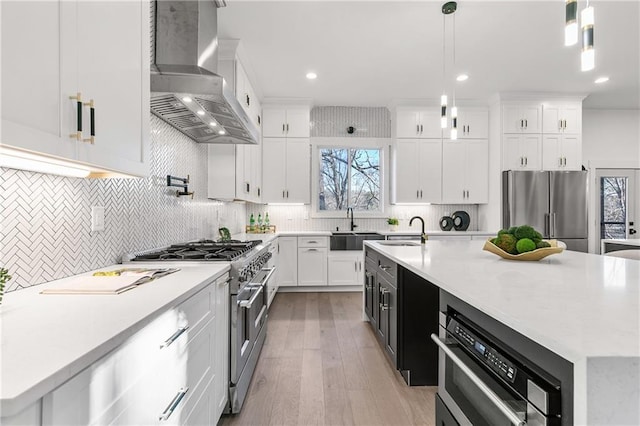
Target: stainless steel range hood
[186, 92]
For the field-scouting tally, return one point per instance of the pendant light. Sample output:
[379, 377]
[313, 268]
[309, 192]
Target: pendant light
[454, 108]
[587, 57]
[571, 23]
[447, 9]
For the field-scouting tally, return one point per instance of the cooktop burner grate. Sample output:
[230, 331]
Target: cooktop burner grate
[207, 250]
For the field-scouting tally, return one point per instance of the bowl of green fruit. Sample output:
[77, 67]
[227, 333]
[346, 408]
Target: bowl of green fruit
[522, 243]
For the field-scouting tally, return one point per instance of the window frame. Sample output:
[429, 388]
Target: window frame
[349, 143]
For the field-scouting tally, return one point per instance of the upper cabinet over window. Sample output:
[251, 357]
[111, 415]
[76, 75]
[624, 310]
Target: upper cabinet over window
[75, 82]
[285, 121]
[417, 122]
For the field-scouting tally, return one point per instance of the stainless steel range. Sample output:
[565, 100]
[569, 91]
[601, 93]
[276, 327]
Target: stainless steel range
[249, 276]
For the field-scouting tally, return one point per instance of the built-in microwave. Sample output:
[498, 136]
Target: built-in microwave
[483, 382]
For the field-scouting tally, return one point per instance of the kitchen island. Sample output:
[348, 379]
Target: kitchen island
[582, 307]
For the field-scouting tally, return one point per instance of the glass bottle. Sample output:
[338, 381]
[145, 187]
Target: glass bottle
[260, 222]
[252, 223]
[266, 221]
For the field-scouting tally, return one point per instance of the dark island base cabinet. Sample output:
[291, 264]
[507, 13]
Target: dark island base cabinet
[403, 312]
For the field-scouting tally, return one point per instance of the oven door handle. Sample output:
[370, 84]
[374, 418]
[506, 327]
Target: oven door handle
[266, 279]
[495, 399]
[249, 303]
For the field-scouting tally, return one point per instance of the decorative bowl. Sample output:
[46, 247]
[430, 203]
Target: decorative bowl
[537, 254]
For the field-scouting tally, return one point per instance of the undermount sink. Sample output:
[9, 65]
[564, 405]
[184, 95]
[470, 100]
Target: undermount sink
[351, 240]
[399, 243]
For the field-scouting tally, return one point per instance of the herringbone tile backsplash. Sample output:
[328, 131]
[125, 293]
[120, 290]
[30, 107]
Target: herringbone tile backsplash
[45, 220]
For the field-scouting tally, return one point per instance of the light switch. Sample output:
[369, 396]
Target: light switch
[97, 218]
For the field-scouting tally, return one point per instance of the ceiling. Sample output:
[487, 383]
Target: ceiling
[368, 53]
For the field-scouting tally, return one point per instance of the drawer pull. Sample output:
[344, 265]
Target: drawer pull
[385, 268]
[174, 404]
[312, 242]
[174, 337]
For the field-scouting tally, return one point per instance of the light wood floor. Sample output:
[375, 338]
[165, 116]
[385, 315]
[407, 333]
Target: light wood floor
[321, 365]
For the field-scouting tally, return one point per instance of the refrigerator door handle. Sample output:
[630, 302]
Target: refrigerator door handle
[553, 216]
[547, 232]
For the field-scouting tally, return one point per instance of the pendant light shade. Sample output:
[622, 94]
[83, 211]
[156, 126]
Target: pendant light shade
[571, 23]
[587, 59]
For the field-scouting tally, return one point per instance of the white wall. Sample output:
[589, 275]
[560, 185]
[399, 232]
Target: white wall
[610, 140]
[610, 136]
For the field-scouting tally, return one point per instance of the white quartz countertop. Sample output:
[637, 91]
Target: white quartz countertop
[577, 305]
[626, 242]
[583, 307]
[434, 232]
[47, 339]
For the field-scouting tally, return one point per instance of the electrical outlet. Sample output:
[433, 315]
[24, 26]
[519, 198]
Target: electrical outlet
[97, 218]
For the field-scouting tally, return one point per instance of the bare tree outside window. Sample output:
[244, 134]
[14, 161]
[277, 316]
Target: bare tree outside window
[613, 207]
[349, 178]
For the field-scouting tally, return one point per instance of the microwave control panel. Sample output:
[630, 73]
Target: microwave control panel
[491, 357]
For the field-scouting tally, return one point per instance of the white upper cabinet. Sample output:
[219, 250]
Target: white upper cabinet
[285, 121]
[473, 123]
[74, 47]
[562, 152]
[465, 171]
[235, 74]
[562, 117]
[286, 170]
[412, 122]
[417, 171]
[522, 152]
[522, 118]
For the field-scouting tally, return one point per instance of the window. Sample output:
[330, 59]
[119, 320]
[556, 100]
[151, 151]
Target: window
[613, 207]
[349, 177]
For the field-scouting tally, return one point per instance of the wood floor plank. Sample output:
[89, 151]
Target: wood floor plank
[322, 365]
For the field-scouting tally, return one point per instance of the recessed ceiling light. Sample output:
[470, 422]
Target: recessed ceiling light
[213, 124]
[186, 99]
[462, 77]
[200, 112]
[221, 132]
[602, 80]
[312, 75]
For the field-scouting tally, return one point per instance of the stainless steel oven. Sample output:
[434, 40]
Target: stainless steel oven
[248, 326]
[483, 382]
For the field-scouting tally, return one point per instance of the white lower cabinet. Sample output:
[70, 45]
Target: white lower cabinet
[312, 266]
[345, 268]
[172, 372]
[287, 261]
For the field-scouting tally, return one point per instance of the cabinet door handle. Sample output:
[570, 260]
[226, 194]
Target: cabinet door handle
[564, 161]
[417, 193]
[92, 116]
[421, 194]
[78, 134]
[521, 124]
[559, 161]
[526, 161]
[526, 123]
[174, 337]
[417, 129]
[282, 127]
[287, 193]
[421, 129]
[248, 100]
[463, 193]
[174, 404]
[559, 124]
[287, 128]
[283, 194]
[565, 124]
[355, 266]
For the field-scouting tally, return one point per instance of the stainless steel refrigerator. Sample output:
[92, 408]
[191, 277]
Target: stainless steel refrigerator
[554, 203]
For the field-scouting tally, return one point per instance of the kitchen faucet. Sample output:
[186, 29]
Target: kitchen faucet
[423, 236]
[350, 209]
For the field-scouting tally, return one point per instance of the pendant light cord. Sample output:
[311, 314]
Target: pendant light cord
[453, 67]
[444, 57]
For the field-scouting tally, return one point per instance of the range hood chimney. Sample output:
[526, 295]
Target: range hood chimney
[186, 92]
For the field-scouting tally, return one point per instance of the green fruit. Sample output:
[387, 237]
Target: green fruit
[524, 245]
[542, 244]
[506, 242]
